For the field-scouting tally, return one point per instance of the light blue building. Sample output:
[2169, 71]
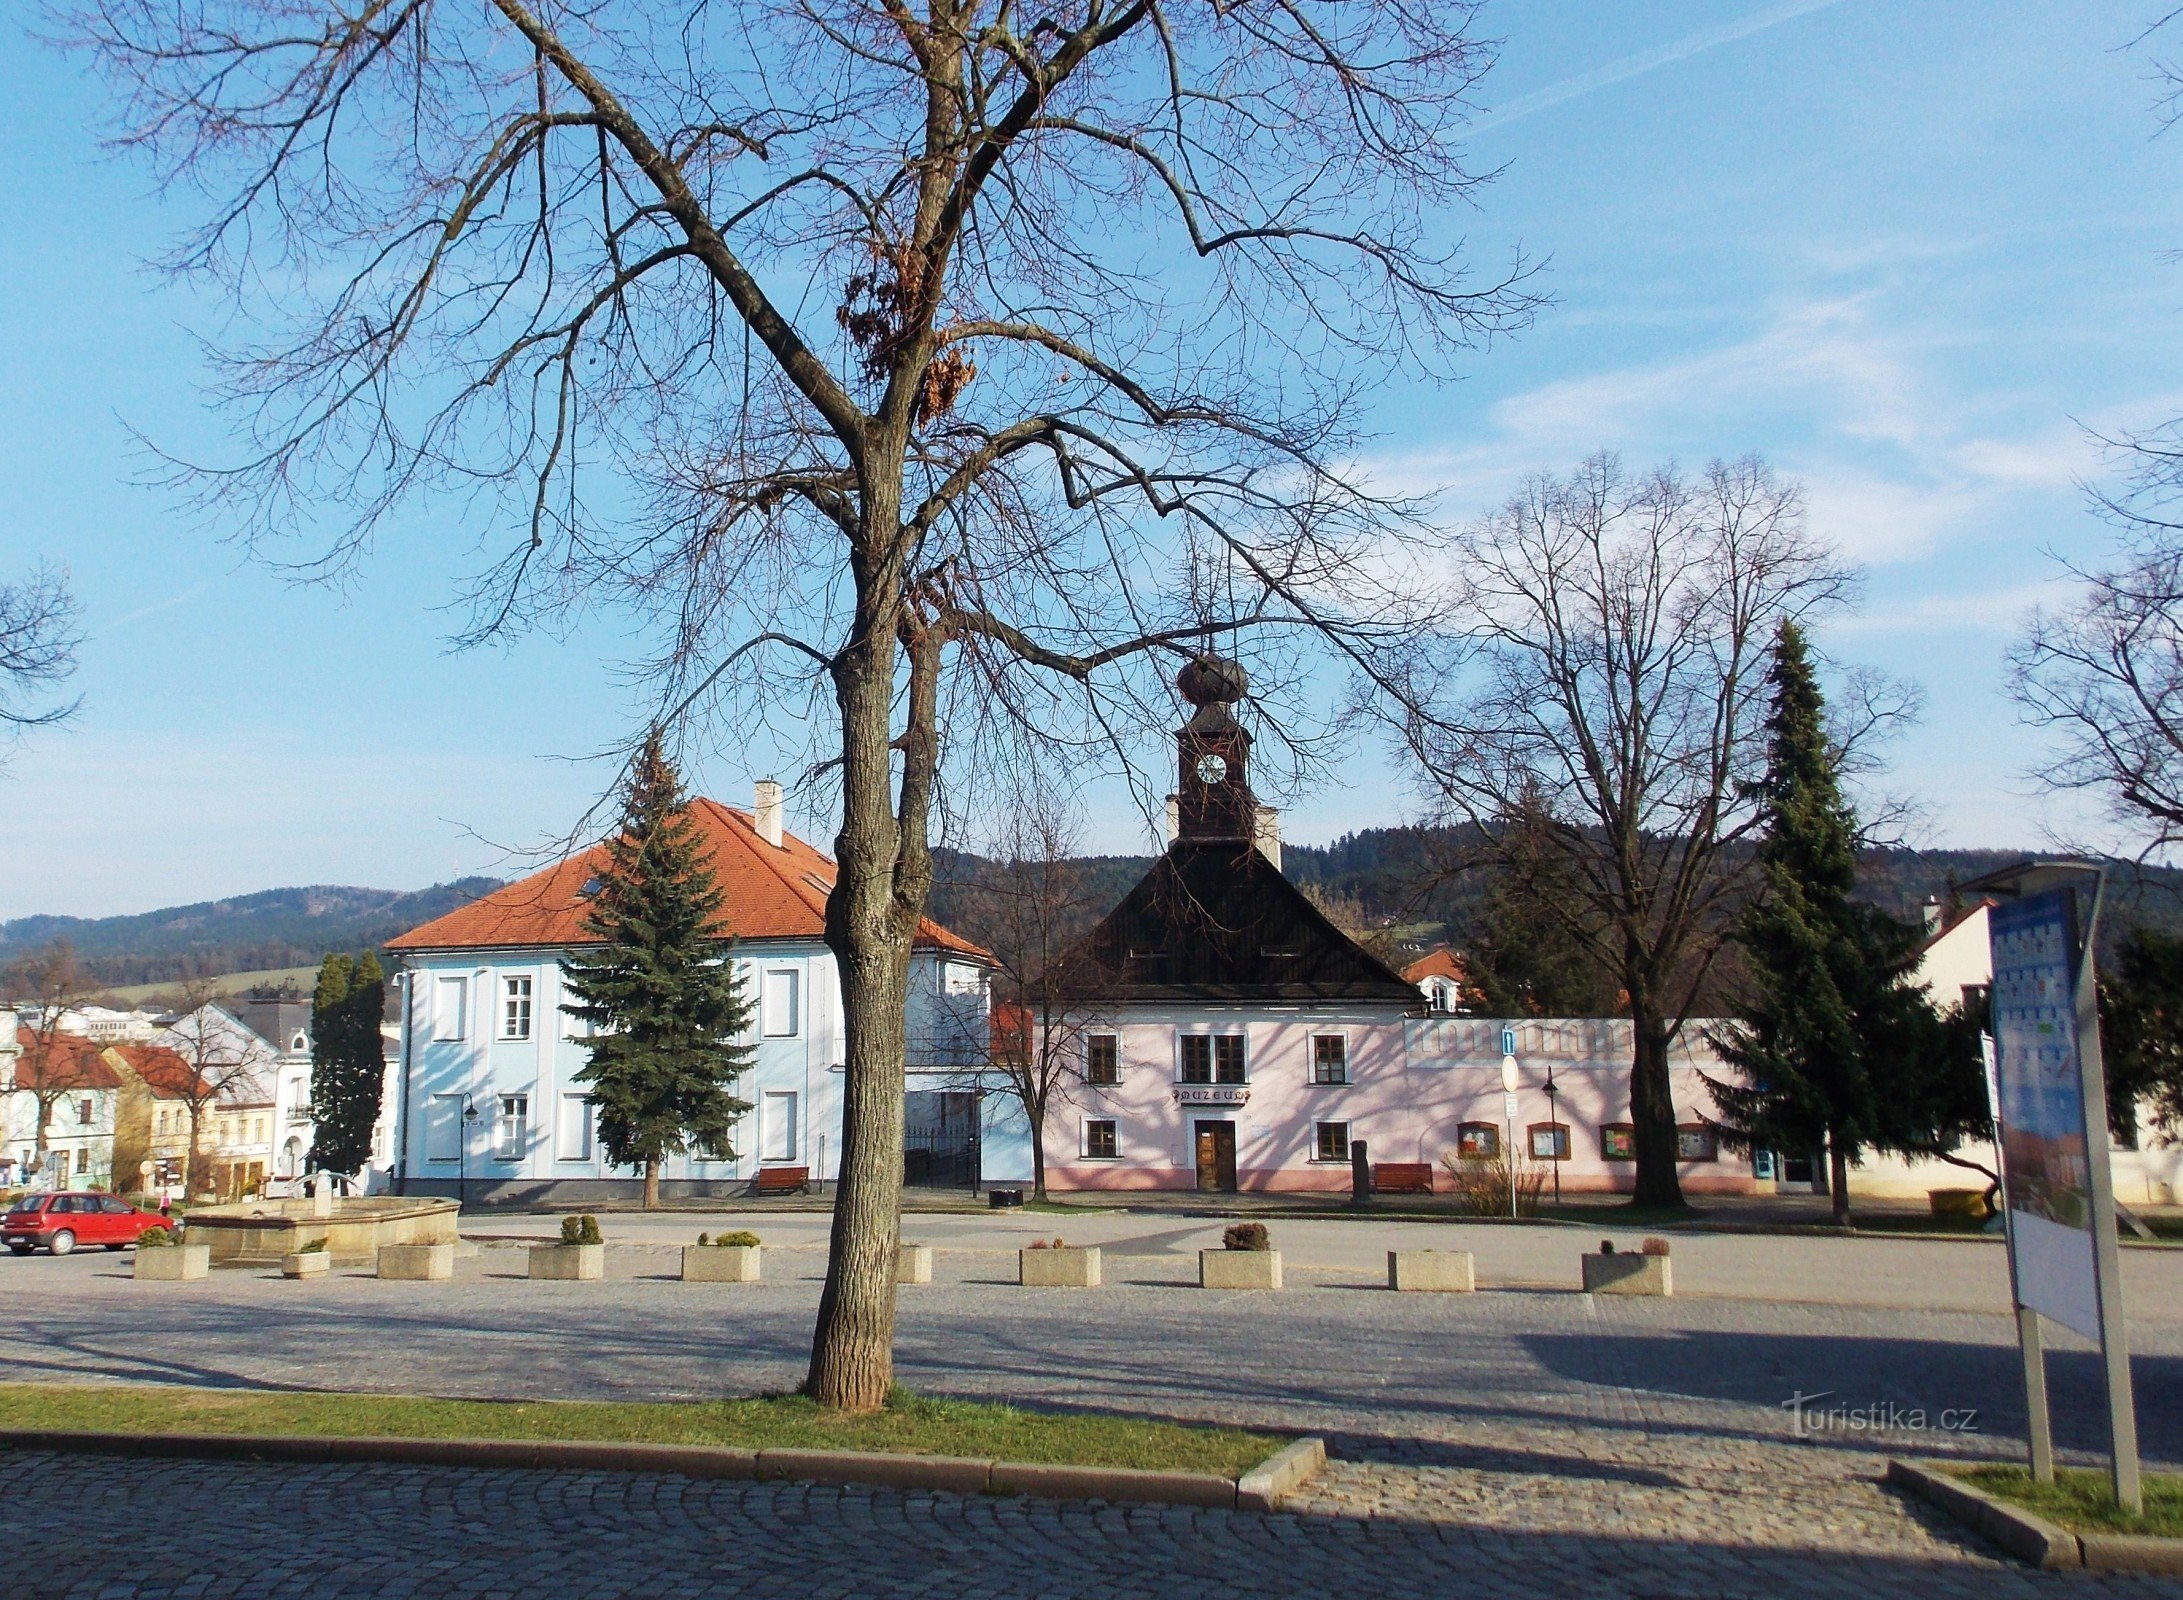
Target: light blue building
[490, 1105]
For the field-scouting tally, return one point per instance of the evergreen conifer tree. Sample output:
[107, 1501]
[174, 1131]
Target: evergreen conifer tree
[348, 1064]
[1839, 1049]
[666, 1007]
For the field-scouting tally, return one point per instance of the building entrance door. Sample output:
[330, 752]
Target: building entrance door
[1217, 1156]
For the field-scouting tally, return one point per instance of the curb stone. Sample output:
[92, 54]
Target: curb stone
[2022, 1533]
[1260, 1488]
[1256, 1490]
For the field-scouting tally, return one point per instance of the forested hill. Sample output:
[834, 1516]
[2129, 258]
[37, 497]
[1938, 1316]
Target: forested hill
[1398, 879]
[1400, 875]
[272, 928]
[1392, 878]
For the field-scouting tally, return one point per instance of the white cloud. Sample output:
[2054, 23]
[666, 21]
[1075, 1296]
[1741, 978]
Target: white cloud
[1898, 462]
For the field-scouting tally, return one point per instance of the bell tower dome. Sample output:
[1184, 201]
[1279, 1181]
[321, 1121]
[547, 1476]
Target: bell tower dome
[1213, 792]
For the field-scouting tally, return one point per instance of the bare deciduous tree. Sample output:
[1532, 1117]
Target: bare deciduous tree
[1600, 727]
[926, 361]
[1032, 905]
[38, 642]
[208, 1058]
[2106, 675]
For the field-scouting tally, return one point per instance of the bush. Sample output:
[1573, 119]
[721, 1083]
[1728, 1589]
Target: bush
[1246, 1236]
[1606, 1247]
[315, 1247]
[581, 1230]
[741, 1238]
[1480, 1184]
[156, 1238]
[1654, 1246]
[1042, 1244]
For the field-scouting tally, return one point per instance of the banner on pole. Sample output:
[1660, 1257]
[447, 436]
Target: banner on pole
[2046, 1143]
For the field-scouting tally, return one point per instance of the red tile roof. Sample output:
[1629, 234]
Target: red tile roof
[1440, 963]
[74, 1063]
[768, 893]
[162, 1070]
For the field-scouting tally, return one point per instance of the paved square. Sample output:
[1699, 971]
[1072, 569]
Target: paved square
[1525, 1440]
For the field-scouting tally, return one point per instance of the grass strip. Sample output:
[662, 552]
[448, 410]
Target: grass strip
[910, 1425]
[2082, 1500]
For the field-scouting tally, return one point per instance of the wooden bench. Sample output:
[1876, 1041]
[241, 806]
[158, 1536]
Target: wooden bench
[1402, 1177]
[782, 1180]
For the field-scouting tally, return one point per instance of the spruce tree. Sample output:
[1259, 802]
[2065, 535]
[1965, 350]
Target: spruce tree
[348, 1064]
[666, 1007]
[1838, 1048]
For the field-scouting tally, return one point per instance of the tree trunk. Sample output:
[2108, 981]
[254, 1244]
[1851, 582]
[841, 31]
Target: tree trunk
[1652, 1113]
[1838, 1178]
[869, 928]
[1038, 1150]
[651, 1184]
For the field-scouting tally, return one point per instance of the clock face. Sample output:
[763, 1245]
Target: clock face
[1211, 769]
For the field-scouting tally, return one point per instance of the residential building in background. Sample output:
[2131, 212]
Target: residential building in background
[76, 1150]
[490, 1105]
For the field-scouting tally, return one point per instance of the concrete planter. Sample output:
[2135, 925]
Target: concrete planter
[1623, 1274]
[1239, 1269]
[913, 1264]
[306, 1264]
[1431, 1271]
[1066, 1268]
[417, 1263]
[569, 1263]
[720, 1263]
[174, 1263]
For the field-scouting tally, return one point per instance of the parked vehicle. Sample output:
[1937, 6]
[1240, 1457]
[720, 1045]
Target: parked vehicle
[61, 1222]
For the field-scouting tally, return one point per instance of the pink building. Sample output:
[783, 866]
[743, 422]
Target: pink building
[1230, 1037]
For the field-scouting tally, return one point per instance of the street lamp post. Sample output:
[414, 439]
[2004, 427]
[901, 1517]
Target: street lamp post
[1553, 1117]
[1508, 1109]
[462, 1178]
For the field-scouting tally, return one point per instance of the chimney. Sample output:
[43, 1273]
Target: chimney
[1932, 913]
[1174, 817]
[1266, 834]
[765, 812]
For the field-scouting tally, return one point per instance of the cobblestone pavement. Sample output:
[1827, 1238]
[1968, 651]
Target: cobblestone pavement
[1512, 1442]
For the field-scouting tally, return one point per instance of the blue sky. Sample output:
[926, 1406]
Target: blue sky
[1906, 250]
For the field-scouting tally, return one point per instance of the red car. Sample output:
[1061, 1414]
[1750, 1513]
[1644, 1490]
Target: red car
[61, 1222]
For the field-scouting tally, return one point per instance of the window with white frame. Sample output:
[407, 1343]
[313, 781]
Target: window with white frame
[1333, 1141]
[515, 1008]
[1101, 1140]
[778, 1001]
[1329, 1058]
[443, 1128]
[572, 1129]
[777, 1131]
[450, 1008]
[511, 1129]
[1102, 1059]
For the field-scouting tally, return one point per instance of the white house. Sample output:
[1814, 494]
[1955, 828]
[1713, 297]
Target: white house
[490, 1105]
[78, 1136]
[1956, 968]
